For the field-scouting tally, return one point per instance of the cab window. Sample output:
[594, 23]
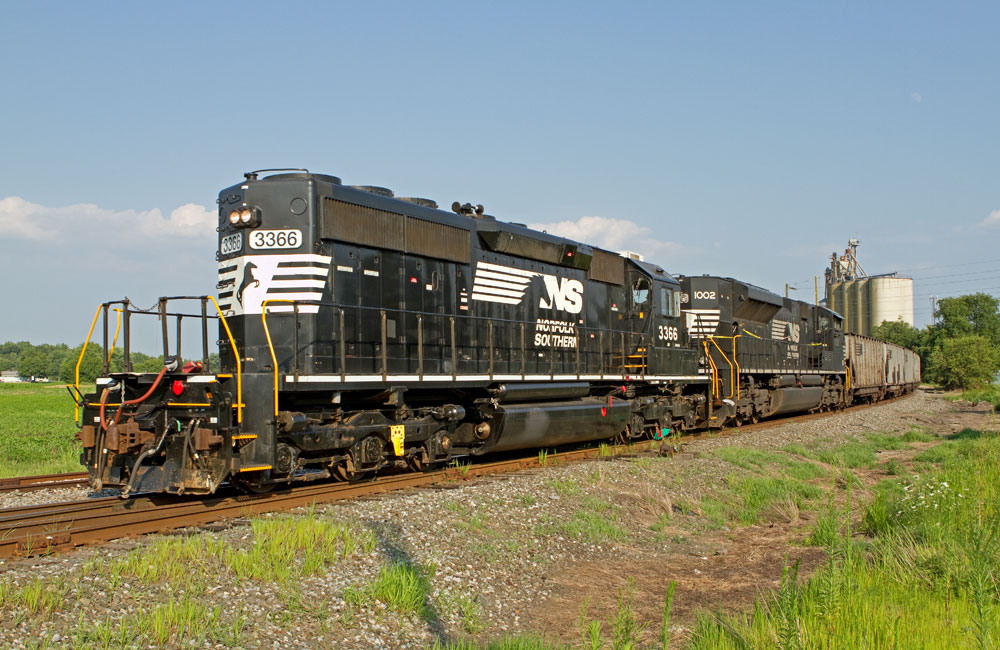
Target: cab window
[670, 302]
[640, 292]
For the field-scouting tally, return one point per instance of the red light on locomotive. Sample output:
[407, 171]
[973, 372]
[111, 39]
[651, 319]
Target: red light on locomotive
[178, 387]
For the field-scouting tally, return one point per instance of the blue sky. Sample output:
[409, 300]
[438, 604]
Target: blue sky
[743, 139]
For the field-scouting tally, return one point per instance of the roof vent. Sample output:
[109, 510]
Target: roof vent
[468, 209]
[427, 203]
[374, 189]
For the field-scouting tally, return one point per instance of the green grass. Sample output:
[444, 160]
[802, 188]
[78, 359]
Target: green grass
[760, 460]
[507, 643]
[564, 487]
[282, 549]
[37, 430]
[758, 494]
[594, 522]
[401, 586]
[925, 577]
[989, 394]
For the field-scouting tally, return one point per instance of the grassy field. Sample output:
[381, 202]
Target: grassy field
[914, 565]
[989, 394]
[924, 573]
[36, 430]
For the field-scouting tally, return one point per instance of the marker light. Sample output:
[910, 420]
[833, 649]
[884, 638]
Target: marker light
[234, 216]
[178, 387]
[246, 215]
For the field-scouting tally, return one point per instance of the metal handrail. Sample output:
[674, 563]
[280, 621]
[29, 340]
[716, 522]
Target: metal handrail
[236, 354]
[420, 315]
[124, 314]
[270, 346]
[76, 384]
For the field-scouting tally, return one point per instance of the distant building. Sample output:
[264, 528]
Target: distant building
[866, 301]
[10, 377]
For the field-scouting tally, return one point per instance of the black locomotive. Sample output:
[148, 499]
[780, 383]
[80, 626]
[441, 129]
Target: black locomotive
[359, 331]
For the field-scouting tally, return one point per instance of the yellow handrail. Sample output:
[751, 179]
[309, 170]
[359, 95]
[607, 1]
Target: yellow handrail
[236, 354]
[270, 347]
[735, 361]
[715, 370]
[114, 341]
[712, 339]
[229, 334]
[76, 409]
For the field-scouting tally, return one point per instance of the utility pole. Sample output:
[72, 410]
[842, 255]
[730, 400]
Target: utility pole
[789, 288]
[933, 310]
[816, 288]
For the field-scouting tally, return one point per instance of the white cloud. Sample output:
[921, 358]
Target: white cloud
[992, 219]
[18, 219]
[612, 234]
[22, 219]
[916, 98]
[189, 220]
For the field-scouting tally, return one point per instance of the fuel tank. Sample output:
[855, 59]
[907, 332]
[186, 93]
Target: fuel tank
[541, 424]
[792, 400]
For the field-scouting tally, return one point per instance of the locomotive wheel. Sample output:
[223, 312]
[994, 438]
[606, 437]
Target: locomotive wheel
[754, 418]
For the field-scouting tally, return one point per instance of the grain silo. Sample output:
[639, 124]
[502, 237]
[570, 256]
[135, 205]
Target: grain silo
[866, 301]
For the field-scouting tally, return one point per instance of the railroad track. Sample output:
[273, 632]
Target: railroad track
[43, 481]
[35, 530]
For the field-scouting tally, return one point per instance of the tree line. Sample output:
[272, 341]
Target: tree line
[58, 362]
[961, 349]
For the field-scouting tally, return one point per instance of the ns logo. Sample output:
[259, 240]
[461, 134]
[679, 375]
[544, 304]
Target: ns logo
[564, 294]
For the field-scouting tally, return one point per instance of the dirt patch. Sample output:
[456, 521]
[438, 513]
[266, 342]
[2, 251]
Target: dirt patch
[725, 570]
[720, 572]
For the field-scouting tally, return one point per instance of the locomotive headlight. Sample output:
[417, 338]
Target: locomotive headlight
[234, 216]
[246, 215]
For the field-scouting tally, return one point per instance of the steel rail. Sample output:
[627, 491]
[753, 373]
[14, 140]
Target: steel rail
[43, 481]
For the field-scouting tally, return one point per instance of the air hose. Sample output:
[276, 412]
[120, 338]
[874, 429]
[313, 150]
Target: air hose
[124, 403]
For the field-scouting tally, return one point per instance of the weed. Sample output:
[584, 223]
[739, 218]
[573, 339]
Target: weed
[714, 510]
[543, 457]
[893, 468]
[827, 530]
[917, 435]
[506, 643]
[564, 487]
[462, 468]
[403, 587]
[668, 602]
[465, 609]
[527, 499]
[757, 459]
[759, 493]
